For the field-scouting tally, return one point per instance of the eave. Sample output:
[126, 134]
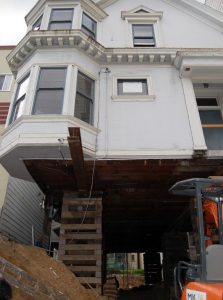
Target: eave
[35, 40]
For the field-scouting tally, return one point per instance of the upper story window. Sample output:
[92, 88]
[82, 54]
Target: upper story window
[143, 35]
[37, 24]
[144, 28]
[5, 82]
[61, 19]
[50, 91]
[20, 97]
[89, 26]
[84, 98]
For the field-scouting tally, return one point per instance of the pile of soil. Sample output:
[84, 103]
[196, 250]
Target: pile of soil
[39, 265]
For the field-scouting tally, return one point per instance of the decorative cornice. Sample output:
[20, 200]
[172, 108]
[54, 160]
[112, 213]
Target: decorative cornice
[35, 40]
[77, 39]
[147, 13]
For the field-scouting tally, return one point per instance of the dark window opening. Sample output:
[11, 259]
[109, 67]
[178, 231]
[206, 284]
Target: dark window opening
[61, 19]
[89, 26]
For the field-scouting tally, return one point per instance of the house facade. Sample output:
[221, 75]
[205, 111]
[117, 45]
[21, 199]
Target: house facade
[114, 102]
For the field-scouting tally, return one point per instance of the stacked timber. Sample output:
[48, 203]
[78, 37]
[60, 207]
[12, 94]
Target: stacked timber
[110, 289]
[81, 238]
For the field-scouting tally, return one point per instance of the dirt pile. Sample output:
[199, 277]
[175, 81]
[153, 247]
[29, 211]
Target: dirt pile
[39, 265]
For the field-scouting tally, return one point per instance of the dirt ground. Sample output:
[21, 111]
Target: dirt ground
[52, 273]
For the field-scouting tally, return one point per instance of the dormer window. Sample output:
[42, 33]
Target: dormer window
[37, 24]
[143, 35]
[61, 19]
[144, 28]
[89, 26]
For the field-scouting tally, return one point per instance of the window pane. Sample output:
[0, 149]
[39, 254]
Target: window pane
[19, 107]
[49, 102]
[60, 26]
[89, 23]
[143, 30]
[22, 88]
[207, 102]
[132, 86]
[7, 83]
[52, 78]
[62, 15]
[83, 108]
[213, 138]
[211, 117]
[85, 85]
[37, 24]
[144, 41]
[2, 77]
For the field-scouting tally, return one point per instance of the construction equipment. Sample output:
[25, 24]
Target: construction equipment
[201, 278]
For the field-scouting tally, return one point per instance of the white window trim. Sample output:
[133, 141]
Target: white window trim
[134, 97]
[50, 7]
[10, 83]
[145, 21]
[149, 17]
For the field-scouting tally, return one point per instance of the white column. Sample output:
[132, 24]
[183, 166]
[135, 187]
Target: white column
[193, 115]
[70, 91]
[31, 91]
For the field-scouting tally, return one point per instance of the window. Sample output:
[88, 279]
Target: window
[50, 91]
[143, 35]
[37, 24]
[20, 99]
[61, 19]
[84, 98]
[5, 82]
[89, 26]
[212, 122]
[132, 87]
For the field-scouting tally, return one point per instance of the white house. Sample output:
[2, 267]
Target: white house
[144, 84]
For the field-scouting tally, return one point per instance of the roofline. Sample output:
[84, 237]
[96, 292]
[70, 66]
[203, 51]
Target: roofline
[7, 47]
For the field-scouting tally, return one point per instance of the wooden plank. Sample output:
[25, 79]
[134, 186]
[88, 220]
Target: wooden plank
[76, 151]
[85, 268]
[81, 257]
[81, 236]
[80, 214]
[81, 226]
[82, 247]
[80, 201]
[212, 125]
[90, 280]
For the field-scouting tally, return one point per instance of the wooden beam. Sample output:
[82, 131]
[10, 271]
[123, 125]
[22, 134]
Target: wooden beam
[76, 151]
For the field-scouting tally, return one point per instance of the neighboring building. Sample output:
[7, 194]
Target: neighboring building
[115, 101]
[6, 88]
[216, 4]
[20, 208]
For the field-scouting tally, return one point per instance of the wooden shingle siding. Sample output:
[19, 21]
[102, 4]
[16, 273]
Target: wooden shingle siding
[22, 210]
[4, 108]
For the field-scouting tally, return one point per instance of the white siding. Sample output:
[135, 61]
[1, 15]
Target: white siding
[22, 210]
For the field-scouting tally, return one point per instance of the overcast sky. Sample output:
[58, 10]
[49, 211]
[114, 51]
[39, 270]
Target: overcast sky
[12, 23]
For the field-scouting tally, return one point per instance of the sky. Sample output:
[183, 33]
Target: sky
[12, 23]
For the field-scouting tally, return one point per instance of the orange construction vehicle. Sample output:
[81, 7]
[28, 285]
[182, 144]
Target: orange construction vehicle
[201, 278]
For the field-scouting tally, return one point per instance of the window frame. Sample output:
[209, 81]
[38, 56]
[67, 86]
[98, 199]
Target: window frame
[91, 100]
[143, 45]
[49, 89]
[9, 85]
[87, 30]
[18, 101]
[37, 23]
[58, 21]
[133, 97]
